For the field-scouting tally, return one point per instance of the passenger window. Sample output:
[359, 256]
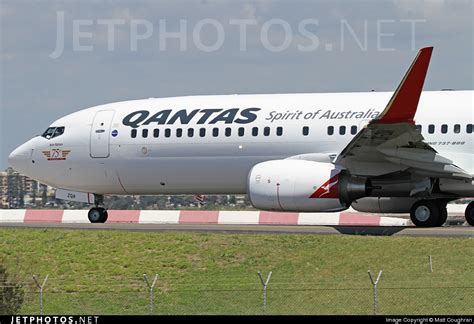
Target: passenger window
[266, 131]
[145, 133]
[279, 131]
[469, 128]
[156, 132]
[179, 132]
[255, 131]
[190, 132]
[167, 132]
[444, 128]
[342, 130]
[228, 131]
[133, 133]
[241, 131]
[353, 130]
[202, 132]
[305, 131]
[330, 130]
[419, 128]
[431, 129]
[457, 129]
[215, 132]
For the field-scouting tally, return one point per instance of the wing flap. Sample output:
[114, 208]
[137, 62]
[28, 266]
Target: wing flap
[440, 170]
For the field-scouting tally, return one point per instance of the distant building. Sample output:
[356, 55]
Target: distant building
[20, 191]
[3, 189]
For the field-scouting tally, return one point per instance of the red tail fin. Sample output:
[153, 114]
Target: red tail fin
[402, 107]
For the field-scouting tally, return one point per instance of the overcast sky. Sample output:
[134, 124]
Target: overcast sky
[58, 57]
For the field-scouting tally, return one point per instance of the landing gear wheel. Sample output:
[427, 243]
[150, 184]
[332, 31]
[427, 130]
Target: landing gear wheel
[443, 213]
[469, 214]
[425, 213]
[105, 215]
[97, 215]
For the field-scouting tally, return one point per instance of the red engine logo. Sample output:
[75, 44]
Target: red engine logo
[328, 190]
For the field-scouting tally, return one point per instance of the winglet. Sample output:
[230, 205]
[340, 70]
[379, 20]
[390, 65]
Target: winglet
[402, 106]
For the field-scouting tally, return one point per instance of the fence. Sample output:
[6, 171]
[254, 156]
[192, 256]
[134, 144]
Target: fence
[244, 296]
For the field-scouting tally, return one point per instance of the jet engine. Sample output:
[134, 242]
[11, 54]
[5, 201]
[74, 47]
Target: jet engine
[310, 186]
[299, 185]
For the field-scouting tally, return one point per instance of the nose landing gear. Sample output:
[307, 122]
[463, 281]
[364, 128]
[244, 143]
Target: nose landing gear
[98, 214]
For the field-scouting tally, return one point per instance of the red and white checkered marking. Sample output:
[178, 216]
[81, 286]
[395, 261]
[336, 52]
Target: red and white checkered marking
[347, 218]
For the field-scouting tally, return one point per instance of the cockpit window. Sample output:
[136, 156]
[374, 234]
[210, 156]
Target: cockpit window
[52, 132]
[58, 131]
[49, 132]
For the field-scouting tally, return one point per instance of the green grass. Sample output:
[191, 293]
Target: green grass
[101, 272]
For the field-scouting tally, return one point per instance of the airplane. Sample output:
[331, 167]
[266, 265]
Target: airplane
[403, 152]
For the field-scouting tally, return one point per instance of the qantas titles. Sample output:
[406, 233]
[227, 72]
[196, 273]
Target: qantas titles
[200, 116]
[235, 115]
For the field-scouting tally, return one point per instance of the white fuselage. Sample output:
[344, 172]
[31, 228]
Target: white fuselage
[97, 153]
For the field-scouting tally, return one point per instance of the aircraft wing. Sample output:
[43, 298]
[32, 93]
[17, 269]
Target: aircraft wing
[392, 142]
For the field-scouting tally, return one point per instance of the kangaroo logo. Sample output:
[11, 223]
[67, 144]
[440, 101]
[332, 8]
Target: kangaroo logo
[328, 190]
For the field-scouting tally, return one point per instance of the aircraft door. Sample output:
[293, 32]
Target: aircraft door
[100, 134]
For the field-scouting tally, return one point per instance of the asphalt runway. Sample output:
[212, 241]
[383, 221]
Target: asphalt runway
[447, 231]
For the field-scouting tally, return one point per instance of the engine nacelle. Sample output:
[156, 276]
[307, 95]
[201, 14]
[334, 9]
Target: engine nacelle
[299, 185]
[392, 205]
[310, 186]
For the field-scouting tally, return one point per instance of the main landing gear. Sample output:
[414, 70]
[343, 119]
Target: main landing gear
[98, 214]
[469, 214]
[429, 213]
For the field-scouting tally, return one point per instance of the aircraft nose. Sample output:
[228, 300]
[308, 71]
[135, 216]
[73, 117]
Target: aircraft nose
[19, 159]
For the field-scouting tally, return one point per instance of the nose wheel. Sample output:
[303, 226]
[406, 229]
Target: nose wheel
[97, 215]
